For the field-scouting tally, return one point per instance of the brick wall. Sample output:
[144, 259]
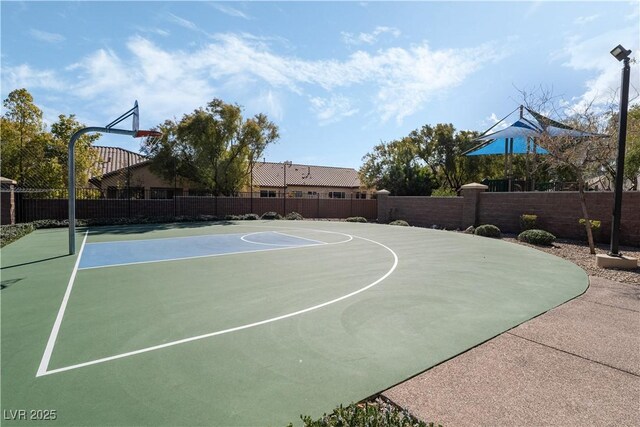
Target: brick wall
[7, 209]
[558, 212]
[427, 211]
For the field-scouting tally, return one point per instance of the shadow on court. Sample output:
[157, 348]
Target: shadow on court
[131, 229]
[34, 262]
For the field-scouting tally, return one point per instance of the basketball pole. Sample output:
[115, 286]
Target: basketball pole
[72, 176]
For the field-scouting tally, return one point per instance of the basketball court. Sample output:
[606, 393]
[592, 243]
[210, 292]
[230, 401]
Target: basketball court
[250, 322]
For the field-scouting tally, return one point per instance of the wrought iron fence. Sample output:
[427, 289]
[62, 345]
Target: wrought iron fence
[131, 202]
[503, 185]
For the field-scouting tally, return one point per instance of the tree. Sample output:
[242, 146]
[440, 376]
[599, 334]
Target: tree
[86, 159]
[37, 158]
[441, 148]
[21, 128]
[214, 147]
[632, 154]
[397, 167]
[584, 156]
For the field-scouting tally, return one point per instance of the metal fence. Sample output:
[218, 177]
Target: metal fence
[503, 185]
[131, 202]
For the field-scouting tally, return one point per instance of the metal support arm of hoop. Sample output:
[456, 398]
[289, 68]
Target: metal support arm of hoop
[72, 172]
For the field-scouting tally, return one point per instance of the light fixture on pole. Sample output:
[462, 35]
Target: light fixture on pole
[614, 258]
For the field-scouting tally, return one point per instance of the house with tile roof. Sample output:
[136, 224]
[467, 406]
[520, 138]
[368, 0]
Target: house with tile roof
[124, 174]
[308, 181]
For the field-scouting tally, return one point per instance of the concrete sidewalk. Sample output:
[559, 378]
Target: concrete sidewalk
[578, 364]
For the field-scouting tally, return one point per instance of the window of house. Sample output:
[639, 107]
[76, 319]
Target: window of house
[312, 193]
[337, 195]
[195, 192]
[125, 193]
[164, 193]
[267, 193]
[360, 195]
[297, 193]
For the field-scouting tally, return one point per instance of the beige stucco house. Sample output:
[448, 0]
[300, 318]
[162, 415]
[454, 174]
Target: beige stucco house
[123, 174]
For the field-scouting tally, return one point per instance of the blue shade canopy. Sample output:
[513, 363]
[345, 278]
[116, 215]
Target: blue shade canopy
[520, 131]
[497, 147]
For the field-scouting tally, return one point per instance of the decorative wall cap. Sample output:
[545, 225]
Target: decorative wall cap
[383, 192]
[474, 186]
[4, 180]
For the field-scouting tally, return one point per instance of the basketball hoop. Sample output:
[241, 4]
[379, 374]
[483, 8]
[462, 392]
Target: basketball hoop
[152, 136]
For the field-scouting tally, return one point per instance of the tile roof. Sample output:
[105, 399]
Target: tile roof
[269, 174]
[115, 158]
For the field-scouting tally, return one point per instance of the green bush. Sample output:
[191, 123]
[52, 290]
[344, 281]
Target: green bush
[356, 219]
[444, 192]
[537, 237]
[400, 222]
[250, 217]
[271, 215]
[54, 223]
[372, 414]
[528, 221]
[488, 230]
[11, 233]
[232, 217]
[294, 216]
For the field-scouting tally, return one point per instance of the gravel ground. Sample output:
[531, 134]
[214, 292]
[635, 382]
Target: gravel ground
[578, 253]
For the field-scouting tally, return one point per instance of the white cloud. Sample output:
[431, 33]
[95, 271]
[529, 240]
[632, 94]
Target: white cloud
[151, 30]
[268, 102]
[228, 10]
[171, 82]
[369, 38]
[333, 109]
[592, 54]
[582, 20]
[46, 37]
[403, 79]
[185, 23]
[24, 76]
[493, 120]
[533, 8]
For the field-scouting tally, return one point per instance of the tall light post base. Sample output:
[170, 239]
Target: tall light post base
[621, 262]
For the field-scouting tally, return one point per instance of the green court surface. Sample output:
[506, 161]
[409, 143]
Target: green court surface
[250, 323]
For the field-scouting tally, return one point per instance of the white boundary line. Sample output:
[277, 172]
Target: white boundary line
[239, 328]
[166, 238]
[298, 237]
[46, 357]
[317, 242]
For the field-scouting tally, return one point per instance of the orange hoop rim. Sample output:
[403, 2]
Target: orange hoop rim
[148, 134]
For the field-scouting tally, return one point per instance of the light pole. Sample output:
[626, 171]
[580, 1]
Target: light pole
[284, 186]
[621, 54]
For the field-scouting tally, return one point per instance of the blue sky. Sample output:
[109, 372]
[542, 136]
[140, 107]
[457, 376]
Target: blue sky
[336, 77]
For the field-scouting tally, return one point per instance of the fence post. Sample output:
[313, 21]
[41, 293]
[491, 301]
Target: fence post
[8, 201]
[383, 206]
[471, 198]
